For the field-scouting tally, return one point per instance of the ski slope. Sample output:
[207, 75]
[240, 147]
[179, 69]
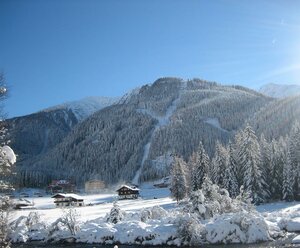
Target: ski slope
[161, 121]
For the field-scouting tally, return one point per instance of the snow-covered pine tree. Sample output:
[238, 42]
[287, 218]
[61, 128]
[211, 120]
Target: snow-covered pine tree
[250, 157]
[116, 214]
[179, 187]
[266, 157]
[229, 181]
[287, 183]
[279, 154]
[191, 165]
[235, 154]
[221, 160]
[294, 148]
[234, 188]
[201, 167]
[7, 159]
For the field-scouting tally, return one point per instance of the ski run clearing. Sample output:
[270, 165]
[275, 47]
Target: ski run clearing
[152, 220]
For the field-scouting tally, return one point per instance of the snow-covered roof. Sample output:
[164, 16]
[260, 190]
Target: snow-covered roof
[74, 196]
[129, 187]
[22, 201]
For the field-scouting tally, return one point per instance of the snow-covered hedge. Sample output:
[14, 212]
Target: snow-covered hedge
[152, 226]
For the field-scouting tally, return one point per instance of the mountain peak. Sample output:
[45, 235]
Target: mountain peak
[86, 106]
[280, 90]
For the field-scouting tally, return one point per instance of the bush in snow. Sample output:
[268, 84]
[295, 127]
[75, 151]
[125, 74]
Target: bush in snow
[29, 227]
[240, 227]
[33, 219]
[155, 213]
[70, 219]
[5, 210]
[190, 230]
[243, 202]
[68, 224]
[116, 214]
[209, 201]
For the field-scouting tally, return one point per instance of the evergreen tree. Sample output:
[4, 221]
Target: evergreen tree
[116, 214]
[200, 169]
[237, 157]
[287, 183]
[192, 165]
[294, 146]
[279, 153]
[229, 181]
[266, 159]
[221, 161]
[179, 187]
[250, 158]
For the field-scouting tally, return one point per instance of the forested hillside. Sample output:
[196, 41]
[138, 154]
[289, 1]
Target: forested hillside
[276, 119]
[36, 133]
[135, 138]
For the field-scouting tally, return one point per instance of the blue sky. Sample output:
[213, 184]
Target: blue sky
[53, 51]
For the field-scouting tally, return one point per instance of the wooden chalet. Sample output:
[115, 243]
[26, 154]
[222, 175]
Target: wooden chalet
[61, 186]
[68, 200]
[128, 192]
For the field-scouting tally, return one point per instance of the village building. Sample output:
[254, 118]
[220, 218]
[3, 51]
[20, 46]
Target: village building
[68, 200]
[94, 186]
[61, 186]
[164, 183]
[128, 192]
[22, 204]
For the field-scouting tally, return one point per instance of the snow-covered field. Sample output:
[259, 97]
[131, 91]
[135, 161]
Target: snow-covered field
[98, 205]
[144, 223]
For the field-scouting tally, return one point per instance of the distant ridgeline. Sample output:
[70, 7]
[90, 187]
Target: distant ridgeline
[137, 136]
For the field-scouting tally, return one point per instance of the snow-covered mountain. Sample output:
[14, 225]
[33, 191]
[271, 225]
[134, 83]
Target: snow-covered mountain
[131, 140]
[86, 106]
[38, 132]
[280, 90]
[277, 118]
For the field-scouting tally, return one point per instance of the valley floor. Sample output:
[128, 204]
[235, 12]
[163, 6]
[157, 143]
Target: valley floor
[98, 205]
[160, 228]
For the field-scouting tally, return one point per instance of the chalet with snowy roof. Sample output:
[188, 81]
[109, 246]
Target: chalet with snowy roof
[61, 186]
[128, 192]
[68, 200]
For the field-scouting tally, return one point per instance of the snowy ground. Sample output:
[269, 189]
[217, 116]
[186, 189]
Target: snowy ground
[101, 204]
[279, 217]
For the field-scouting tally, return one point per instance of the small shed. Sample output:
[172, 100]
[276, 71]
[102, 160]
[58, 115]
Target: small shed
[67, 200]
[128, 192]
[94, 186]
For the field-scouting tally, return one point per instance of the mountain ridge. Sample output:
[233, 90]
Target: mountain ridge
[111, 144]
[280, 90]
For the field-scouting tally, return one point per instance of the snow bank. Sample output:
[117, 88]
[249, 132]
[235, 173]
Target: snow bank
[290, 225]
[237, 228]
[287, 219]
[296, 240]
[151, 226]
